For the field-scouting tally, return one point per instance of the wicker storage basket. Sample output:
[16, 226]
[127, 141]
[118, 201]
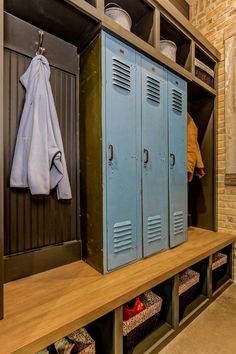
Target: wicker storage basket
[137, 327]
[219, 269]
[218, 260]
[84, 341]
[204, 73]
[187, 279]
[188, 288]
[79, 342]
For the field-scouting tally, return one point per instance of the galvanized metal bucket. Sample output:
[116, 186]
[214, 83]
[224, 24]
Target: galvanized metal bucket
[168, 48]
[119, 15]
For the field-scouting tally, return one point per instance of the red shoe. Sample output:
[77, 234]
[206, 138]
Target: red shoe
[132, 308]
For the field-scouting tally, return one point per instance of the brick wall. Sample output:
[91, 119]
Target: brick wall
[216, 19]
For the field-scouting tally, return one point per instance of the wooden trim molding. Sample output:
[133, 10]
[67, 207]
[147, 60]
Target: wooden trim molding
[26, 264]
[167, 7]
[230, 110]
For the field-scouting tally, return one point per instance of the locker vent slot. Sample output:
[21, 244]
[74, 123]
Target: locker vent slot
[178, 223]
[153, 89]
[122, 236]
[154, 228]
[121, 75]
[177, 101]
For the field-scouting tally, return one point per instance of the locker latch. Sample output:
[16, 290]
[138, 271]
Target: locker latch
[172, 159]
[146, 154]
[111, 153]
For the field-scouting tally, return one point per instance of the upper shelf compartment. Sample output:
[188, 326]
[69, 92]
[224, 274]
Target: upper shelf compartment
[58, 18]
[204, 67]
[168, 31]
[141, 15]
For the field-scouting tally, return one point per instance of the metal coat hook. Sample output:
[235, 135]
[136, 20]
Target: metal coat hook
[40, 49]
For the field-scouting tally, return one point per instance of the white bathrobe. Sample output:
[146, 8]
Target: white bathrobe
[39, 160]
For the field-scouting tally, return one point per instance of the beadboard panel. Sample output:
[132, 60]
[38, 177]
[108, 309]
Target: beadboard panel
[35, 222]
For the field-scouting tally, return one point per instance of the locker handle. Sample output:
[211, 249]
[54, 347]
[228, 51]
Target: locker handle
[111, 153]
[146, 153]
[172, 156]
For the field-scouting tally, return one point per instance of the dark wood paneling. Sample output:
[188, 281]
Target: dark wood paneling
[26, 264]
[91, 154]
[35, 222]
[202, 191]
[1, 163]
[22, 37]
[55, 16]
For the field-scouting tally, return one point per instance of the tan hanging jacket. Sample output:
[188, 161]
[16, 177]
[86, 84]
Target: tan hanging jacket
[194, 153]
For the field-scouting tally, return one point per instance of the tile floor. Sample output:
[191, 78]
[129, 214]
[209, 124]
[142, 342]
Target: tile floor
[212, 332]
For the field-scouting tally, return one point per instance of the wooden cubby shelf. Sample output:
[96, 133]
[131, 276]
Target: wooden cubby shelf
[201, 55]
[198, 293]
[141, 15]
[165, 325]
[222, 274]
[82, 19]
[202, 58]
[66, 298]
[43, 308]
[183, 43]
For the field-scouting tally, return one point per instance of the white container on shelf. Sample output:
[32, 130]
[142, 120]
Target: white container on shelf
[204, 67]
[168, 48]
[119, 15]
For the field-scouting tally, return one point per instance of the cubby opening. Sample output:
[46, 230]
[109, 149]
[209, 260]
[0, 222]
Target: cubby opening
[201, 191]
[101, 330]
[141, 15]
[169, 32]
[204, 67]
[200, 55]
[163, 326]
[58, 18]
[222, 273]
[96, 337]
[194, 297]
[165, 291]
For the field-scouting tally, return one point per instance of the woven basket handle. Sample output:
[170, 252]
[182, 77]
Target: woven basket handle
[113, 4]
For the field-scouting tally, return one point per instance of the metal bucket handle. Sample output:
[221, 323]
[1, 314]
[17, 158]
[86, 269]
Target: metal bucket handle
[112, 4]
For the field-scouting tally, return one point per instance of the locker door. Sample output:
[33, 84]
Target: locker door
[155, 157]
[177, 159]
[123, 182]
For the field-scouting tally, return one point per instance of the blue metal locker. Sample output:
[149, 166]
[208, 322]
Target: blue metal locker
[177, 112]
[122, 122]
[154, 157]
